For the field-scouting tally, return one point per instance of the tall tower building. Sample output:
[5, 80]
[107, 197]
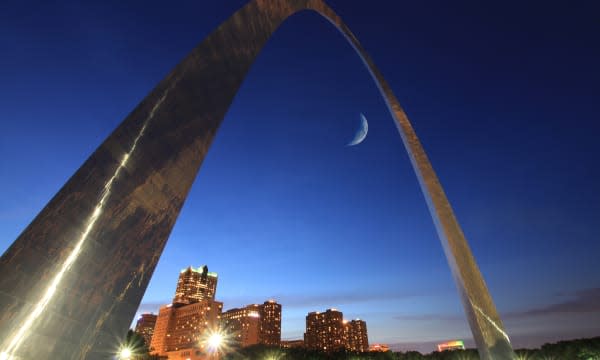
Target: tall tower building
[145, 327]
[356, 338]
[195, 285]
[181, 327]
[325, 330]
[270, 323]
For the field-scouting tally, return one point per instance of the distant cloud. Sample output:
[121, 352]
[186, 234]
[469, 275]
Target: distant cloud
[540, 322]
[300, 301]
[430, 317]
[582, 301]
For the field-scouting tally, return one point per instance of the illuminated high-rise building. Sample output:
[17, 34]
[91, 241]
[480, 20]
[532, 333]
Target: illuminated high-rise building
[181, 328]
[328, 331]
[325, 330]
[185, 327]
[145, 327]
[158, 344]
[355, 335]
[254, 324]
[195, 285]
[243, 324]
[270, 323]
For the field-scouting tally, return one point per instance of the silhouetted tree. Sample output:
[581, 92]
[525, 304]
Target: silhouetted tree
[581, 349]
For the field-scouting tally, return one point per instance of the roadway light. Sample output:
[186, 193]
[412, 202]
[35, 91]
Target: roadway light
[125, 353]
[215, 341]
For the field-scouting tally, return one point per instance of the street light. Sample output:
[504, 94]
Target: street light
[215, 341]
[125, 353]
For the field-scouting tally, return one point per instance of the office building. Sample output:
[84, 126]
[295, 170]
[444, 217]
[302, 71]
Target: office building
[195, 285]
[270, 323]
[145, 327]
[182, 327]
[355, 335]
[254, 324]
[328, 331]
[185, 326]
[243, 324]
[325, 330]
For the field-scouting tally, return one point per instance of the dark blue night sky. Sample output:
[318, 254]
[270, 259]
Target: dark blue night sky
[505, 98]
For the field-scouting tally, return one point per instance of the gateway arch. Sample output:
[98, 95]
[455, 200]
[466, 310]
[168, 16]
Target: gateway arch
[72, 281]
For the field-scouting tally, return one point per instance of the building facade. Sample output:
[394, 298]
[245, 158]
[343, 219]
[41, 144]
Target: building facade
[183, 326]
[254, 324]
[166, 314]
[356, 338]
[145, 327]
[243, 324]
[270, 323]
[325, 330]
[328, 331]
[195, 285]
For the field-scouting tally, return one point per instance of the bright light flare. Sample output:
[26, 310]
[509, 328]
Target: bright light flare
[125, 353]
[215, 341]
[274, 355]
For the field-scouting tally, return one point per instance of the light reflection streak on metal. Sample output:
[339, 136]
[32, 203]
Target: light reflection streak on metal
[491, 322]
[20, 335]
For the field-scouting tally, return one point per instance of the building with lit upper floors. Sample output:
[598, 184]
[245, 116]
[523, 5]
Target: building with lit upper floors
[355, 335]
[182, 327]
[145, 327]
[194, 285]
[254, 324]
[243, 324]
[270, 323]
[328, 331]
[185, 326]
[325, 330]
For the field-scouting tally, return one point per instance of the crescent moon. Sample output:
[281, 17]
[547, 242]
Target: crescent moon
[361, 133]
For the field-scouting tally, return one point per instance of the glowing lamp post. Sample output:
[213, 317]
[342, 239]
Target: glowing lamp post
[124, 354]
[215, 341]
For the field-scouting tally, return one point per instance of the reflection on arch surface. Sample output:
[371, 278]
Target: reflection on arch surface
[74, 278]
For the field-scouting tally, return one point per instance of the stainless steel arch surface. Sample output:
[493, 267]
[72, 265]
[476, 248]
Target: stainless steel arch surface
[72, 281]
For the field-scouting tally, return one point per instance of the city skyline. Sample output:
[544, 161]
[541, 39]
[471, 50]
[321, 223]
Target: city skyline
[187, 288]
[564, 215]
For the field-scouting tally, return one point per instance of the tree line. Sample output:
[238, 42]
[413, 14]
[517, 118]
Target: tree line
[579, 349]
